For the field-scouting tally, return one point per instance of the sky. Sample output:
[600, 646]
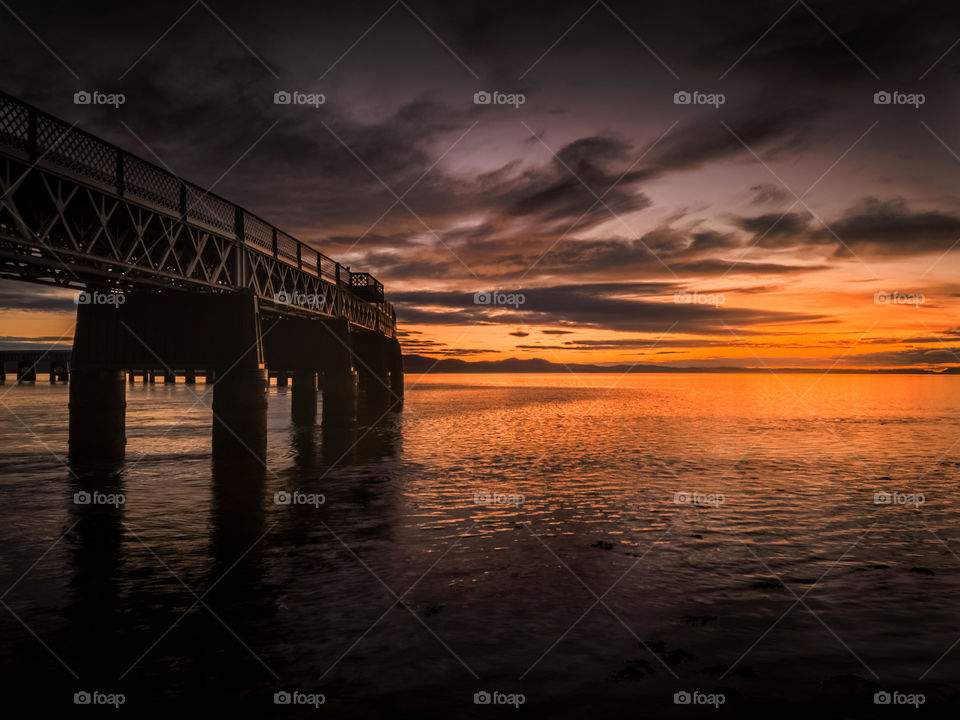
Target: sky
[785, 217]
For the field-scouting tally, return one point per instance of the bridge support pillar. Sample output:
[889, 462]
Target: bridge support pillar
[98, 402]
[282, 378]
[303, 403]
[395, 364]
[26, 372]
[59, 372]
[169, 377]
[190, 377]
[340, 383]
[240, 390]
[152, 376]
[371, 362]
[240, 409]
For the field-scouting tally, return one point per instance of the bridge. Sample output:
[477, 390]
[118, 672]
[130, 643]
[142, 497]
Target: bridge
[171, 277]
[27, 363]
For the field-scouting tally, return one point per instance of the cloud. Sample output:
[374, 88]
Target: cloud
[24, 296]
[933, 357]
[768, 194]
[770, 229]
[567, 188]
[870, 228]
[590, 306]
[879, 227]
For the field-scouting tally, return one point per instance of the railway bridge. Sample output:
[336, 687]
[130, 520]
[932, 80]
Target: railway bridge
[171, 278]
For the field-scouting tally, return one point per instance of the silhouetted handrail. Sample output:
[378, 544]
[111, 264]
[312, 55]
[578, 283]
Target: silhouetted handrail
[44, 138]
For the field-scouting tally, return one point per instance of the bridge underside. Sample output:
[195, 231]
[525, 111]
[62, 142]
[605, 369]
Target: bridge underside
[231, 339]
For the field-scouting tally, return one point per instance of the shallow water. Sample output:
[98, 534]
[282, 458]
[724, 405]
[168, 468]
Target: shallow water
[578, 579]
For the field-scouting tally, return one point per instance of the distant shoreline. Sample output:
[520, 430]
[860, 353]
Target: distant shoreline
[418, 364]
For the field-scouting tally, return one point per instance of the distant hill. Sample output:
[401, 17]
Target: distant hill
[422, 363]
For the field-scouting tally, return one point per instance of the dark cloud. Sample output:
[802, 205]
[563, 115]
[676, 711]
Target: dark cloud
[934, 357]
[722, 267]
[890, 228]
[768, 194]
[870, 228]
[541, 347]
[571, 186]
[575, 306]
[17, 296]
[770, 228]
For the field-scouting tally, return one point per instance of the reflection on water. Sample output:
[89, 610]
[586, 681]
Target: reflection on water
[400, 567]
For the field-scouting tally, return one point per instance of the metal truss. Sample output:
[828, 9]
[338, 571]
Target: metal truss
[79, 212]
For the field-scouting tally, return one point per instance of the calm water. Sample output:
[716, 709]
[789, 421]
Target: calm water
[401, 595]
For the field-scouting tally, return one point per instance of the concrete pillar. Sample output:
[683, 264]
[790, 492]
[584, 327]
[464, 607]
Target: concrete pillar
[152, 376]
[169, 377]
[395, 363]
[240, 390]
[98, 402]
[303, 403]
[370, 351]
[190, 377]
[339, 382]
[281, 378]
[240, 411]
[26, 371]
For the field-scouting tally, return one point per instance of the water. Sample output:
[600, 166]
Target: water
[401, 595]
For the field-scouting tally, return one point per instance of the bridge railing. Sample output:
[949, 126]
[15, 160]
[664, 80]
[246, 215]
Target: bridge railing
[38, 137]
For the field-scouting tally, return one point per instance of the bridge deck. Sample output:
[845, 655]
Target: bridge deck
[80, 212]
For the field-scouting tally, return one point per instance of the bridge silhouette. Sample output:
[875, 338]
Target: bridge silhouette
[171, 277]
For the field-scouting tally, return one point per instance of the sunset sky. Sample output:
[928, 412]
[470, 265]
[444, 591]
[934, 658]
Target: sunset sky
[759, 231]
